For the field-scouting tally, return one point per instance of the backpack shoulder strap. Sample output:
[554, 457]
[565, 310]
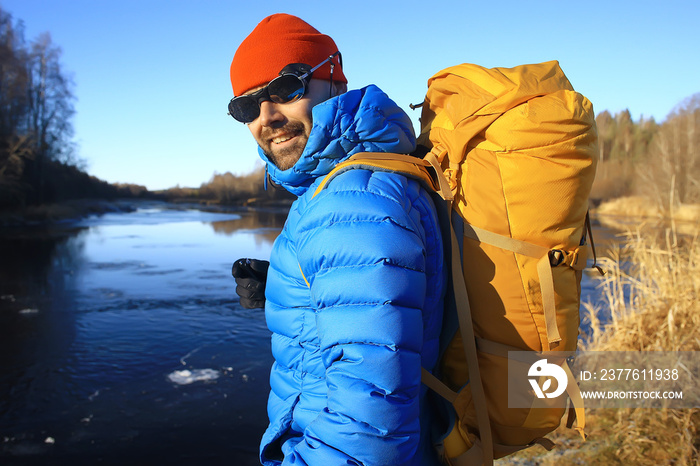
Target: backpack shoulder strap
[426, 170]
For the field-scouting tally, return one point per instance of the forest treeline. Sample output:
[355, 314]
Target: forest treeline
[660, 162]
[38, 159]
[229, 189]
[39, 162]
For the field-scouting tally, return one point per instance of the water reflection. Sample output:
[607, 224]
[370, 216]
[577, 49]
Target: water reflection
[267, 225]
[94, 322]
[611, 236]
[37, 327]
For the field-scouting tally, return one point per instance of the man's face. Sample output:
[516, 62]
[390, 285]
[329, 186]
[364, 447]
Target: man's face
[282, 130]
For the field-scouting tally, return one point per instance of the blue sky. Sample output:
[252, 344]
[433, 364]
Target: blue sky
[151, 76]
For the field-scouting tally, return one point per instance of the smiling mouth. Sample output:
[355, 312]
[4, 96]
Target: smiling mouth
[281, 139]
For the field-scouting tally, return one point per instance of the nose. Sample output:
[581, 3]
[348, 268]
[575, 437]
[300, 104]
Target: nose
[269, 113]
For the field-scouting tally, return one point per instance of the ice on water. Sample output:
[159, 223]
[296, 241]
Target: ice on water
[185, 377]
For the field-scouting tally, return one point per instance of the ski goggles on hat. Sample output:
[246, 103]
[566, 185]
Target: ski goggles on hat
[288, 87]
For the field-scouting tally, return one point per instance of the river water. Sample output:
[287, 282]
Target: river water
[122, 340]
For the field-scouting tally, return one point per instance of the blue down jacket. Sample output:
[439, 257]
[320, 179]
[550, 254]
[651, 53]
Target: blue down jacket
[354, 298]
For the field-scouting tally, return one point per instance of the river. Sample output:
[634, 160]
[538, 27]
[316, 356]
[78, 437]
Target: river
[122, 340]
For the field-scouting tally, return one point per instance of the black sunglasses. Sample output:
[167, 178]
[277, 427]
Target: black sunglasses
[288, 87]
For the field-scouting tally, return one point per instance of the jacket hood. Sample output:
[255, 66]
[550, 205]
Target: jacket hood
[361, 120]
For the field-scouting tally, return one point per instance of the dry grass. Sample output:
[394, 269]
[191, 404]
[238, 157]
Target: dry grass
[652, 289]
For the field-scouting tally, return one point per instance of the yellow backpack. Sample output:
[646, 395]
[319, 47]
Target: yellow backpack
[513, 154]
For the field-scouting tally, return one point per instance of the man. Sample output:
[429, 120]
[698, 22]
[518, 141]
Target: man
[355, 286]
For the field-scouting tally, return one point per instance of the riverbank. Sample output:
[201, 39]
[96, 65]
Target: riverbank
[650, 291]
[68, 211]
[76, 210]
[633, 212]
[641, 207]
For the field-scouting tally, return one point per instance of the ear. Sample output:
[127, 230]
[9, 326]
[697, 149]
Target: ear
[339, 88]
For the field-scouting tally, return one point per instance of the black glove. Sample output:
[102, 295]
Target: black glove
[250, 275]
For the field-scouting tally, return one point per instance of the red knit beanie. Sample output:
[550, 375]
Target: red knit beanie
[276, 42]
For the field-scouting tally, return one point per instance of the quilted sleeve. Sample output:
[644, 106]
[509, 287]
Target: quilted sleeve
[363, 253]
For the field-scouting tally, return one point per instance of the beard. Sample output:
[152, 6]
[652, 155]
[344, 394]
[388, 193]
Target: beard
[286, 156]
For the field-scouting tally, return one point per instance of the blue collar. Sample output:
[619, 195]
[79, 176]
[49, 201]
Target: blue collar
[362, 120]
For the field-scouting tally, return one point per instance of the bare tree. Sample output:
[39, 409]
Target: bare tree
[50, 107]
[15, 147]
[672, 170]
[13, 77]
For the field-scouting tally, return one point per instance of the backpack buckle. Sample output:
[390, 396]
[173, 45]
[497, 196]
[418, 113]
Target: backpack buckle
[556, 257]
